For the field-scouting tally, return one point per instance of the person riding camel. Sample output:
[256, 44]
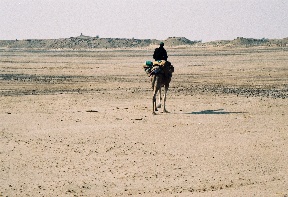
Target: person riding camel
[160, 53]
[161, 64]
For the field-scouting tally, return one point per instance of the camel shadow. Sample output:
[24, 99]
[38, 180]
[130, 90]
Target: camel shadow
[217, 111]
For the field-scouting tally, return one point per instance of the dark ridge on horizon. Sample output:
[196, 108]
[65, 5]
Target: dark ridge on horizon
[88, 42]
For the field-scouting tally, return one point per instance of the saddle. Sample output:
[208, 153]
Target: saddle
[157, 67]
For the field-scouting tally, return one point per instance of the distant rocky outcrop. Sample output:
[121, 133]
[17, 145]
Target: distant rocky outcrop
[248, 42]
[88, 42]
[178, 41]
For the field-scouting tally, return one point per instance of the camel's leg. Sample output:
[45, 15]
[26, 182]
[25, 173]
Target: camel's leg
[155, 90]
[165, 95]
[154, 100]
[153, 79]
[160, 98]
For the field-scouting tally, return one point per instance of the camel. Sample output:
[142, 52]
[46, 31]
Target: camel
[161, 77]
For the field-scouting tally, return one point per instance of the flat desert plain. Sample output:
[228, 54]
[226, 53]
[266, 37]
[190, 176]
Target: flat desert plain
[80, 123]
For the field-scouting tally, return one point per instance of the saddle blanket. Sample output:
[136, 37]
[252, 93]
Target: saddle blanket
[154, 67]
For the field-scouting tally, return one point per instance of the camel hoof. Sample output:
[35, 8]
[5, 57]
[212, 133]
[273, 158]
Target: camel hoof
[154, 113]
[159, 106]
[165, 111]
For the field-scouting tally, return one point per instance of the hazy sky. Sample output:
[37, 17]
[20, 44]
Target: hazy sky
[194, 19]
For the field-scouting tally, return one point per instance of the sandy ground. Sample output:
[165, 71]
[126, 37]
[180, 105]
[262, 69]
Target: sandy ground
[80, 123]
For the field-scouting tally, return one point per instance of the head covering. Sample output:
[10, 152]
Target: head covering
[162, 43]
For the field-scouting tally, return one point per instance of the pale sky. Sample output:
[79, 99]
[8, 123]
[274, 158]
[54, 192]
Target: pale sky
[205, 20]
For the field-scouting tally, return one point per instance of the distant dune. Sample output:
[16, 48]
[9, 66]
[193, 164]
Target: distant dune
[87, 42]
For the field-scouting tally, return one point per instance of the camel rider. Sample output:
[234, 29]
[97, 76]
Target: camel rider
[160, 53]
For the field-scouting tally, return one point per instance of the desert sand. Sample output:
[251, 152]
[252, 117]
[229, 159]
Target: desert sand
[80, 123]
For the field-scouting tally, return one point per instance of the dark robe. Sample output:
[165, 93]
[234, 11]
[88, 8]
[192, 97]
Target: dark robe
[160, 54]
